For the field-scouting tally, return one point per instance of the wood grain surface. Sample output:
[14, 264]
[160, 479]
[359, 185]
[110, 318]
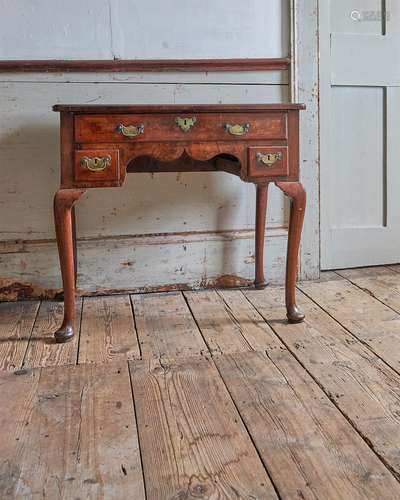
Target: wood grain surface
[228, 401]
[70, 433]
[165, 326]
[194, 444]
[107, 330]
[16, 324]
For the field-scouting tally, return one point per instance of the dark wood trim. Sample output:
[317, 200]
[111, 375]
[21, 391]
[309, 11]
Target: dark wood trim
[155, 65]
[174, 108]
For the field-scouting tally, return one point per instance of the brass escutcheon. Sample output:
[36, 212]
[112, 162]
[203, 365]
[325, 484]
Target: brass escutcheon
[269, 159]
[185, 124]
[130, 130]
[96, 163]
[237, 129]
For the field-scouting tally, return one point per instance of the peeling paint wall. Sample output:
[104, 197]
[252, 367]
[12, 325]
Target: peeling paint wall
[158, 231]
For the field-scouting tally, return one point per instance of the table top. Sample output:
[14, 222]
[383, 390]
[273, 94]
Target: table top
[174, 108]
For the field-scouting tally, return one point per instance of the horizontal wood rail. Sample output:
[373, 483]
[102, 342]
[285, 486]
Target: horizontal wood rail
[155, 65]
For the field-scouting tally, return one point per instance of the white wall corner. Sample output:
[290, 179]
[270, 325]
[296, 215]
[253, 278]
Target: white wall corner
[305, 89]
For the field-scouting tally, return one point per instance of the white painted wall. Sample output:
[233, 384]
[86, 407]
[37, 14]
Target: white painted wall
[119, 245]
[137, 29]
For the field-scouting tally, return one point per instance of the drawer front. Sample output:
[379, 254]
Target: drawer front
[268, 161]
[168, 127]
[97, 167]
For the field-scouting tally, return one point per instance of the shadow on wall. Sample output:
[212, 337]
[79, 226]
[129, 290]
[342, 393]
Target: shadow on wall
[29, 175]
[146, 204]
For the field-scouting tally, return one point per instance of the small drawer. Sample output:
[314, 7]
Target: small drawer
[268, 161]
[184, 127]
[97, 167]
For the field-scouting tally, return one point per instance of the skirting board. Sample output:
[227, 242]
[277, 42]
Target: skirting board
[30, 269]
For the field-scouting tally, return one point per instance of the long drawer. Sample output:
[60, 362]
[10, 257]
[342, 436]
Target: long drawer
[171, 127]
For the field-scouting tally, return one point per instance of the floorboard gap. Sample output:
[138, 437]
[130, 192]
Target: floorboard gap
[369, 292]
[79, 330]
[197, 325]
[135, 328]
[137, 429]
[30, 335]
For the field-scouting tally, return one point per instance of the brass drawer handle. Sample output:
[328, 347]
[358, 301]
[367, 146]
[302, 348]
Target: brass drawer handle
[237, 129]
[185, 124]
[269, 159]
[130, 130]
[96, 163]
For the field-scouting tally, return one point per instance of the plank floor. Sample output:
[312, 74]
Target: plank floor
[206, 395]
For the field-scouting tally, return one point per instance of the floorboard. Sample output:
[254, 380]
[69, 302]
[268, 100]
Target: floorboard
[42, 349]
[16, 324]
[228, 323]
[309, 448]
[373, 323]
[18, 389]
[107, 330]
[381, 283]
[256, 331]
[166, 327]
[359, 383]
[70, 433]
[219, 329]
[193, 442]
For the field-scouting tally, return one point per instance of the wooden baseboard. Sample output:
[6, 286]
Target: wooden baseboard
[143, 263]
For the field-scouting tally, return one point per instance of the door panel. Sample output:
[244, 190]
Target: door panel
[365, 59]
[358, 146]
[360, 152]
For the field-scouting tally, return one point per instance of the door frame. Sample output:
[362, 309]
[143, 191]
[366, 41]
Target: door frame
[325, 95]
[305, 88]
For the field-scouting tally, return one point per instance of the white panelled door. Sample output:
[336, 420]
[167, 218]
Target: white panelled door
[360, 132]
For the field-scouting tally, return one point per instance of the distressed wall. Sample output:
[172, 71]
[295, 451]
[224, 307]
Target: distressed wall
[158, 231]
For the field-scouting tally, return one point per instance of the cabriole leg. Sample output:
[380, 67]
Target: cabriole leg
[261, 209]
[297, 196]
[64, 200]
[74, 243]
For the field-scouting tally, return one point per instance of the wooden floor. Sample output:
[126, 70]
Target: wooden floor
[207, 394]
